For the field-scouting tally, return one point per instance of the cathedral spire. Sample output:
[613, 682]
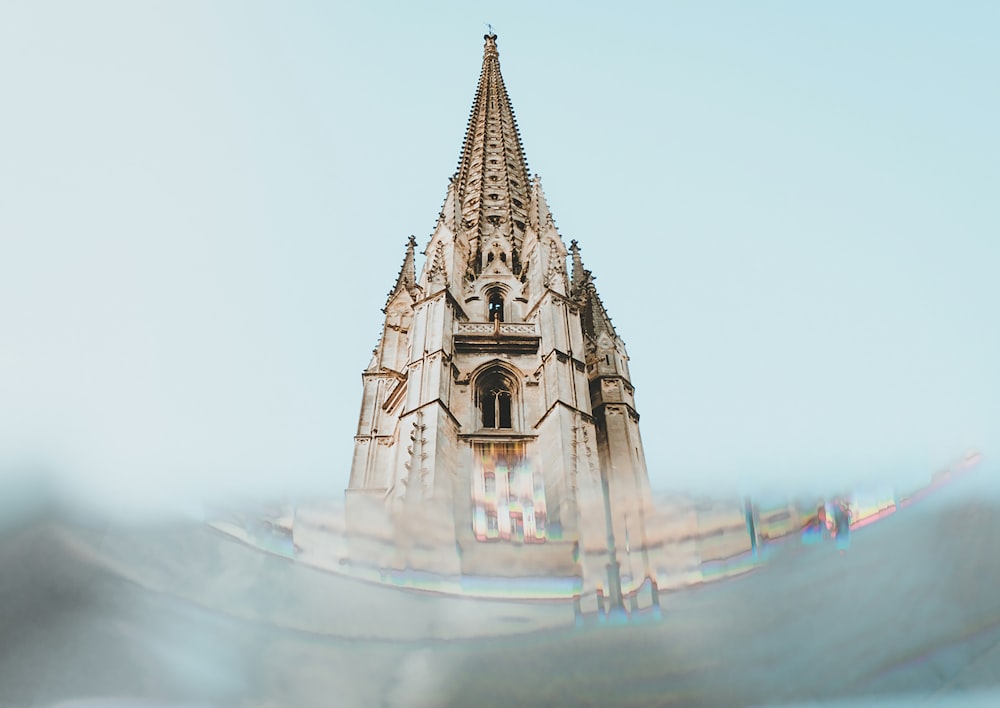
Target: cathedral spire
[489, 360]
[492, 181]
[407, 277]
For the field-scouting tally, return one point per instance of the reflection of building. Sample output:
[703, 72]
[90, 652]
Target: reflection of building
[722, 530]
[498, 432]
[777, 521]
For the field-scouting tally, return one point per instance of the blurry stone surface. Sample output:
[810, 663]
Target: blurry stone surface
[184, 615]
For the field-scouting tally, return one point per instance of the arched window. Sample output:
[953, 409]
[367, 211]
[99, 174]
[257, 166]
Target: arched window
[496, 305]
[495, 391]
[495, 405]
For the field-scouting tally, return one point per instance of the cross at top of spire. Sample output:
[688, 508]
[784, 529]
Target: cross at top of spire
[492, 180]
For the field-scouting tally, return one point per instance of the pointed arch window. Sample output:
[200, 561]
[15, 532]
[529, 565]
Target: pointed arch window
[495, 392]
[496, 305]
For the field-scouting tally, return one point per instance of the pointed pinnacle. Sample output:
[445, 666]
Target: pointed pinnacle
[579, 274]
[407, 277]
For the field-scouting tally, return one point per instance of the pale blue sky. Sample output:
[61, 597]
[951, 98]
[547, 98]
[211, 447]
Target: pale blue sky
[203, 205]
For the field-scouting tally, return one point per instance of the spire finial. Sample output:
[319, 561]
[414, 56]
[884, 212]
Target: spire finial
[491, 43]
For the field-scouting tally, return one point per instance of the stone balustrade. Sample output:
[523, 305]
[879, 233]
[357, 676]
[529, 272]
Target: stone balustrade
[507, 329]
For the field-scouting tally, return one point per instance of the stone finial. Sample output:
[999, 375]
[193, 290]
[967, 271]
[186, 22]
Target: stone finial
[491, 44]
[578, 275]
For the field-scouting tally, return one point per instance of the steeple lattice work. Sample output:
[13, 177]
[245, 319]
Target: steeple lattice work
[492, 185]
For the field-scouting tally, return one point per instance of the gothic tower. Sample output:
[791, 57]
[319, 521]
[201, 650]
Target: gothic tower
[498, 432]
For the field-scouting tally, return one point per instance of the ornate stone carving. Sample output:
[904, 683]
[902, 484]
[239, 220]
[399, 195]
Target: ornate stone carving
[485, 229]
[506, 328]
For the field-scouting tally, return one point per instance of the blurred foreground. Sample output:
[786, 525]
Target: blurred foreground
[180, 615]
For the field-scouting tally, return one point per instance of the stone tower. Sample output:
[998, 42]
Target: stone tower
[498, 433]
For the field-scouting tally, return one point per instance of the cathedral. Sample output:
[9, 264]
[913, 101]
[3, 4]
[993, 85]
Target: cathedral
[498, 433]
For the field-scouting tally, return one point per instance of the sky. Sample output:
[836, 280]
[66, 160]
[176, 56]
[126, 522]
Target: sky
[791, 210]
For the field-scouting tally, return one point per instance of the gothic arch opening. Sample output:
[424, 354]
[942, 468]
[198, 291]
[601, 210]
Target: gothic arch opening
[496, 399]
[495, 304]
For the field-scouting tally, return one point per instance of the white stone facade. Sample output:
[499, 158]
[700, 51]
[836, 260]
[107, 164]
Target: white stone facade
[498, 428]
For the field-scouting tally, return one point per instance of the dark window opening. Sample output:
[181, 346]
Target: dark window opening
[496, 410]
[496, 401]
[489, 411]
[503, 408]
[496, 300]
